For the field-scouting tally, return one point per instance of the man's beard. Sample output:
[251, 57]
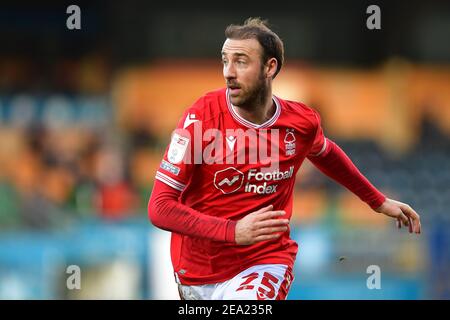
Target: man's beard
[253, 97]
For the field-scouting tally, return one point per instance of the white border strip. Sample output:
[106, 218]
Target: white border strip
[323, 148]
[247, 123]
[169, 181]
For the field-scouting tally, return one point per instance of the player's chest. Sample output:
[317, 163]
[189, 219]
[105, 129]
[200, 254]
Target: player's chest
[253, 161]
[237, 145]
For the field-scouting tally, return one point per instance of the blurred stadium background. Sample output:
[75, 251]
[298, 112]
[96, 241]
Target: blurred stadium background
[86, 114]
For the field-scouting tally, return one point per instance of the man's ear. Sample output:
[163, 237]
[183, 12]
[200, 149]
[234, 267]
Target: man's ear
[271, 67]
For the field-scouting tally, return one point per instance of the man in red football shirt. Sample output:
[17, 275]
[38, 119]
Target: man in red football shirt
[225, 186]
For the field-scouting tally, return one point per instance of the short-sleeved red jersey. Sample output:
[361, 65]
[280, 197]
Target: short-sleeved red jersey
[228, 167]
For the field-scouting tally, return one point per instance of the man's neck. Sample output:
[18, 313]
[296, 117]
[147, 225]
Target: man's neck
[258, 112]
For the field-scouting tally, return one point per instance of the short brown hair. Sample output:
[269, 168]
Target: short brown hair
[256, 28]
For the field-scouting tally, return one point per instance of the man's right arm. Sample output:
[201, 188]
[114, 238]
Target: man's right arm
[176, 169]
[167, 213]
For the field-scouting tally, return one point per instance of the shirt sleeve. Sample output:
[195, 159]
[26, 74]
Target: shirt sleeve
[338, 166]
[165, 212]
[181, 155]
[319, 145]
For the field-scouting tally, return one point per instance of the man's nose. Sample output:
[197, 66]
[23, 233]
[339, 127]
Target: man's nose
[229, 71]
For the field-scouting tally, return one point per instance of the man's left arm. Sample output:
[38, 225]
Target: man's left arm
[334, 163]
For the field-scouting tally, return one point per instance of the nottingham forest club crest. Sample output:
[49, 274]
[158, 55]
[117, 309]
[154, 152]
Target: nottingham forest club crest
[289, 142]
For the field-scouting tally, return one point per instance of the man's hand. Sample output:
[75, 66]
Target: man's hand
[260, 225]
[403, 213]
